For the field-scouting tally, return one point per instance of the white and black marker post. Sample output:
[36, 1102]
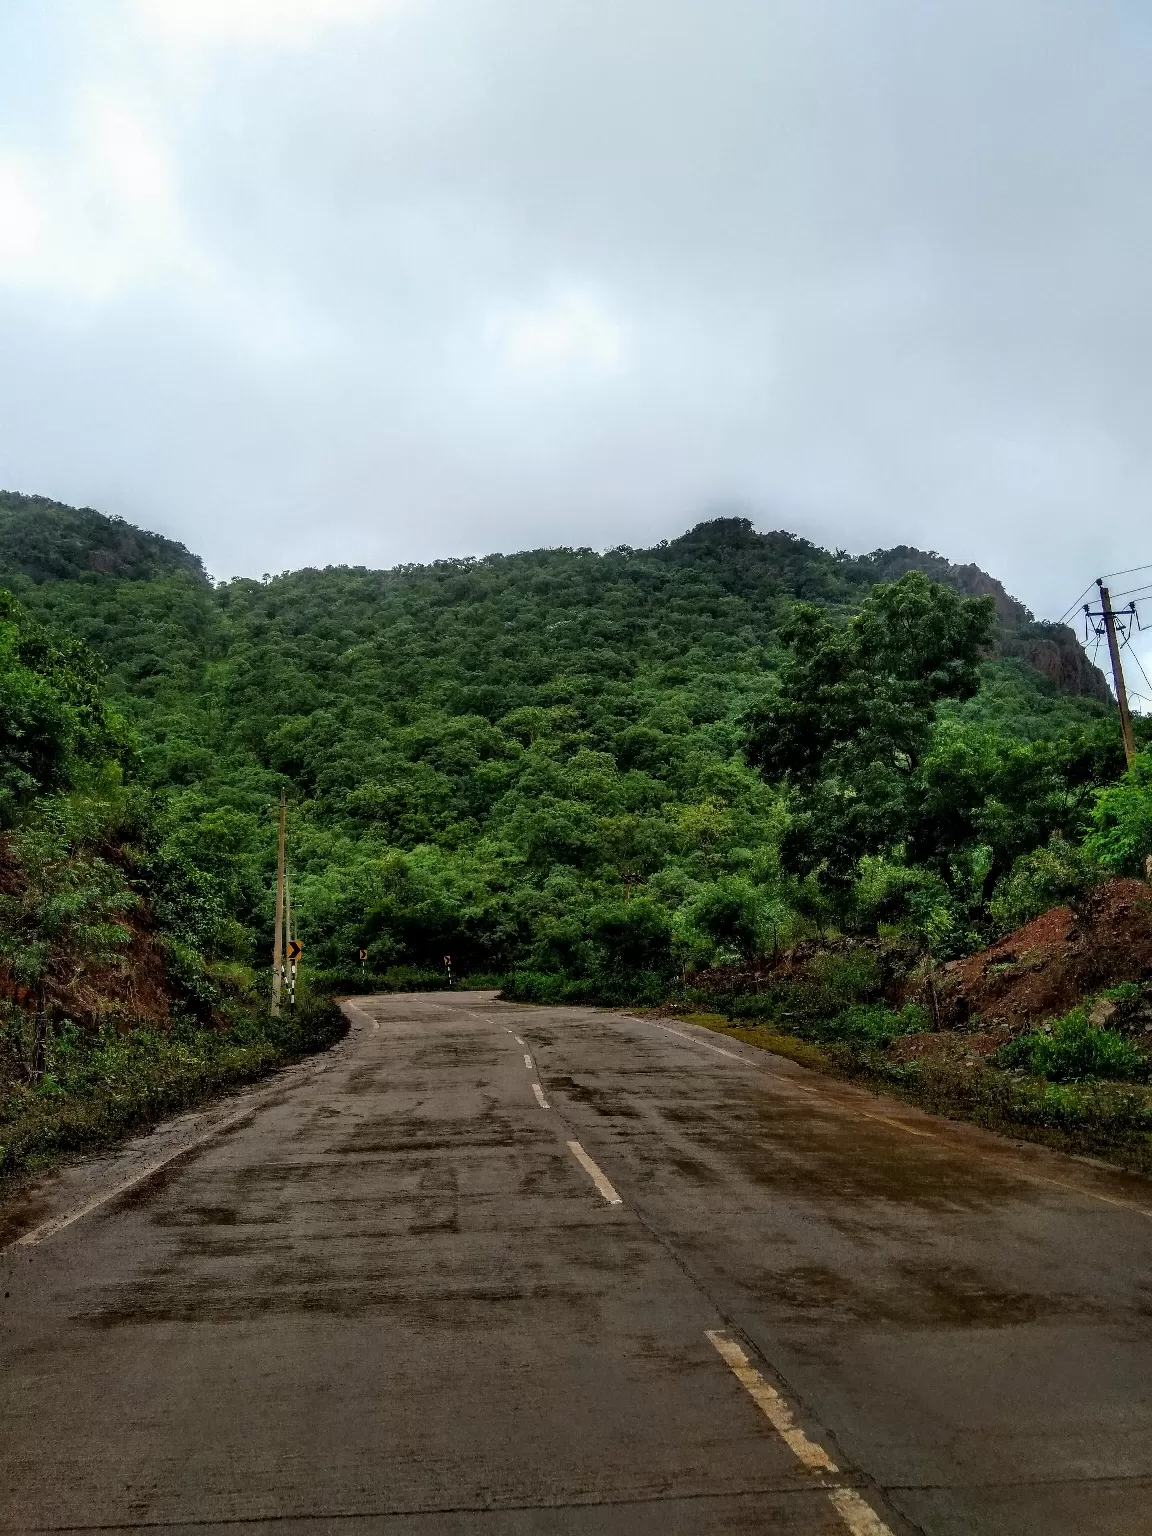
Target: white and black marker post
[295, 950]
[448, 967]
[289, 959]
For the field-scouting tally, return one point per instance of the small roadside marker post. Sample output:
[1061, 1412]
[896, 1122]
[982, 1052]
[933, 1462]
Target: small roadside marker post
[295, 952]
[448, 967]
[363, 965]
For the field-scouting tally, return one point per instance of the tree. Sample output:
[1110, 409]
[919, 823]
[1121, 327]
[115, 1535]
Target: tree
[732, 913]
[63, 919]
[1121, 835]
[52, 714]
[851, 717]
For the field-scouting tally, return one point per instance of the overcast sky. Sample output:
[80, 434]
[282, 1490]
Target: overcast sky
[309, 281]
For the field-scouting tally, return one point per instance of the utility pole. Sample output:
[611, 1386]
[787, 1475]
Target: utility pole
[1109, 618]
[278, 941]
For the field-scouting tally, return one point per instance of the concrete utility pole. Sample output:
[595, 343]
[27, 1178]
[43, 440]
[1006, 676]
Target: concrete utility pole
[1117, 673]
[278, 941]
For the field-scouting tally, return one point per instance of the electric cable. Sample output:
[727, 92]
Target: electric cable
[1131, 571]
[1073, 606]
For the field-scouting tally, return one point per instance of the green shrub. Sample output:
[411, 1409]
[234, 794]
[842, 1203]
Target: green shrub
[846, 977]
[99, 1086]
[1121, 835]
[873, 1024]
[545, 987]
[1049, 877]
[1074, 1048]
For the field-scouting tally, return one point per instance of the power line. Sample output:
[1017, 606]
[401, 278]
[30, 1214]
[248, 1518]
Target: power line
[1068, 612]
[1135, 657]
[1131, 571]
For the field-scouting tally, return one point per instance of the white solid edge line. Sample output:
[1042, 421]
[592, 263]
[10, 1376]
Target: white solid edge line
[731, 1055]
[770, 1404]
[594, 1173]
[1035, 1178]
[539, 1092]
[859, 1516]
[58, 1223]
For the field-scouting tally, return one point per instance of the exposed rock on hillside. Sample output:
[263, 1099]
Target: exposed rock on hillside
[1053, 649]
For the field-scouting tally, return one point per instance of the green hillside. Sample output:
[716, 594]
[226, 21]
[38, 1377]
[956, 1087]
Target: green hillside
[42, 540]
[541, 761]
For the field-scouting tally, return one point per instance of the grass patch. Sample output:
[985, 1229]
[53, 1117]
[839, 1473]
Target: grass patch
[801, 1051]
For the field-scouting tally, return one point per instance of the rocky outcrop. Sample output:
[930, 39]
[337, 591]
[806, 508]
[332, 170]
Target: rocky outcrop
[1052, 649]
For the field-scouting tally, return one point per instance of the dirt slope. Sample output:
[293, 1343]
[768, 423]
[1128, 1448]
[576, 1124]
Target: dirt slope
[1047, 967]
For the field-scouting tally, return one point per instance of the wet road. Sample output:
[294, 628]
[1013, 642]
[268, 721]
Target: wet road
[488, 1268]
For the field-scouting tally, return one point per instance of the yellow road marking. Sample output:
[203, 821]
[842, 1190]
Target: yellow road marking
[1089, 1194]
[732, 1056]
[771, 1405]
[860, 1518]
[594, 1173]
[539, 1092]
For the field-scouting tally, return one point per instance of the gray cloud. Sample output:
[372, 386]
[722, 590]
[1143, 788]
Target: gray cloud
[448, 277]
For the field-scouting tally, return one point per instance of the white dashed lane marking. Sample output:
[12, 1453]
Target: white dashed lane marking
[594, 1173]
[528, 1061]
[539, 1092]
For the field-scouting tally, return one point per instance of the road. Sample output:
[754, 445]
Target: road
[486, 1268]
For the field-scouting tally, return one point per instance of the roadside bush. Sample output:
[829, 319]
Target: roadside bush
[545, 987]
[98, 1086]
[845, 978]
[1074, 1048]
[1049, 877]
[1121, 835]
[873, 1025]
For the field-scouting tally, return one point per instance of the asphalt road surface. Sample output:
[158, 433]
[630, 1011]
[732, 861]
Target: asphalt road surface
[500, 1269]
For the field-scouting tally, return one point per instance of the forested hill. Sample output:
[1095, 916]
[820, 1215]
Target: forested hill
[483, 754]
[42, 540]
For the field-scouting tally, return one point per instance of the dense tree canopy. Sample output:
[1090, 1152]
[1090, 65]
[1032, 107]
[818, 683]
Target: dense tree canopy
[592, 767]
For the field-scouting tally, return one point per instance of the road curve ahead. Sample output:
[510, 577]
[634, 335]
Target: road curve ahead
[486, 1268]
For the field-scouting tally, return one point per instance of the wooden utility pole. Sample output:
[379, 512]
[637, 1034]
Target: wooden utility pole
[1117, 673]
[278, 941]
